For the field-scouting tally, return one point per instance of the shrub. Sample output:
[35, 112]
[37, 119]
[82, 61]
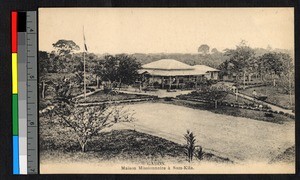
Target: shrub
[199, 152]
[190, 145]
[269, 115]
[280, 112]
[168, 98]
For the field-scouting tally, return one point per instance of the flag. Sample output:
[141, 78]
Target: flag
[85, 47]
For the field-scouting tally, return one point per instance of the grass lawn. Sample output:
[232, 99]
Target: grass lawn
[56, 145]
[237, 112]
[230, 98]
[101, 96]
[274, 96]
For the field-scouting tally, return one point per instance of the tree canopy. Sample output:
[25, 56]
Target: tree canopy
[204, 49]
[120, 68]
[65, 47]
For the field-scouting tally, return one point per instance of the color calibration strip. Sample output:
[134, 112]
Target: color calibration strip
[24, 90]
[14, 55]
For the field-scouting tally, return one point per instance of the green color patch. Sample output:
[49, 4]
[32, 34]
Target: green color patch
[15, 123]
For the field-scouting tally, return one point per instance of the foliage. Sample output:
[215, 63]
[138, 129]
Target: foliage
[107, 69]
[120, 68]
[127, 70]
[212, 60]
[199, 153]
[211, 93]
[240, 58]
[214, 50]
[271, 63]
[84, 122]
[65, 47]
[190, 145]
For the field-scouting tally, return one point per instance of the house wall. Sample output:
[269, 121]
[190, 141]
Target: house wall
[176, 82]
[212, 75]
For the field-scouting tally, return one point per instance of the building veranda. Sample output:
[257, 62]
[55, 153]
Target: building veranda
[173, 74]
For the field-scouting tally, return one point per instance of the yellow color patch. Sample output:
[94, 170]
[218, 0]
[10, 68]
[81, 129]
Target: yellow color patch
[14, 73]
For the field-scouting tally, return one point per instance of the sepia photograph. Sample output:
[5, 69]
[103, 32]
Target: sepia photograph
[166, 90]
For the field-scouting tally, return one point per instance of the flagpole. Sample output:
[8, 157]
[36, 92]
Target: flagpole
[84, 83]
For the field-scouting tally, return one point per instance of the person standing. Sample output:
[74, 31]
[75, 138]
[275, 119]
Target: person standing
[254, 93]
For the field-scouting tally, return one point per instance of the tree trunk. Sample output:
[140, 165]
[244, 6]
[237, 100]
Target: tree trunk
[272, 79]
[83, 148]
[98, 85]
[244, 80]
[216, 104]
[120, 82]
[43, 89]
[83, 145]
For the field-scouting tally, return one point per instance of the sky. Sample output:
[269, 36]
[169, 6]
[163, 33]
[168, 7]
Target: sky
[166, 30]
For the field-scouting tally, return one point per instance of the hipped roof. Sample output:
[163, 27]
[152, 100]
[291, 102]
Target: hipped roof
[167, 64]
[205, 68]
[155, 72]
[171, 67]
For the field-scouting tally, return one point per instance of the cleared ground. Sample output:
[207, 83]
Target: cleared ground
[240, 139]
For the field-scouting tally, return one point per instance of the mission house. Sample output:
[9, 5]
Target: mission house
[173, 74]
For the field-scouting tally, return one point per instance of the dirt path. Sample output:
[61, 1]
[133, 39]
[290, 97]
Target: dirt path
[239, 139]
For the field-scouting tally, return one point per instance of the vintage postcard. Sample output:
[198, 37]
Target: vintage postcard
[166, 90]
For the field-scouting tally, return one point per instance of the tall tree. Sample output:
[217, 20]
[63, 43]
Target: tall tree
[286, 81]
[204, 49]
[65, 47]
[241, 58]
[128, 69]
[120, 68]
[107, 69]
[271, 64]
[214, 50]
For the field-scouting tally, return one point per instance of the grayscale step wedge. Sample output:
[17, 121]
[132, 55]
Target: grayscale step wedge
[32, 94]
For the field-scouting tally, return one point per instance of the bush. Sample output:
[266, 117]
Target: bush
[280, 112]
[168, 98]
[199, 152]
[190, 145]
[269, 115]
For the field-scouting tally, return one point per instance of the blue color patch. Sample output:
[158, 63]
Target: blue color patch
[16, 166]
